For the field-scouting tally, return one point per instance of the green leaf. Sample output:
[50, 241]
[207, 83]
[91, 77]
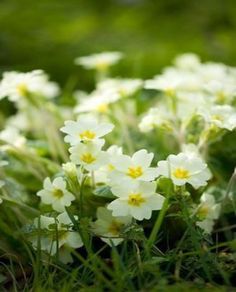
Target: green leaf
[104, 191]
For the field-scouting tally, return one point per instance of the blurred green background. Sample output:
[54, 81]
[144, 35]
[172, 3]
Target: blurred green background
[49, 34]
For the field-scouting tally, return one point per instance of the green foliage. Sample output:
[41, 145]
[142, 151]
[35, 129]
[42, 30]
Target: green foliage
[49, 34]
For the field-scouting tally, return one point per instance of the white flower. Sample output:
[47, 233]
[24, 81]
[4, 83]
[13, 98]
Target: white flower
[89, 155]
[86, 128]
[173, 80]
[191, 150]
[70, 169]
[12, 136]
[221, 116]
[221, 91]
[122, 87]
[187, 61]
[102, 174]
[212, 71]
[109, 227]
[208, 211]
[164, 83]
[98, 101]
[19, 121]
[55, 193]
[158, 117]
[100, 62]
[189, 103]
[137, 200]
[16, 85]
[184, 168]
[129, 169]
[60, 234]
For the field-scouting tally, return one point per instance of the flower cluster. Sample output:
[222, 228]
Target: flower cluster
[92, 187]
[17, 85]
[193, 90]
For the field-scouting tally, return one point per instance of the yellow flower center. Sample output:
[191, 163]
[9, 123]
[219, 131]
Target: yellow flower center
[203, 211]
[135, 200]
[135, 172]
[22, 89]
[57, 193]
[87, 134]
[220, 97]
[102, 108]
[87, 158]
[61, 235]
[122, 91]
[111, 167]
[217, 117]
[181, 173]
[169, 91]
[115, 227]
[102, 65]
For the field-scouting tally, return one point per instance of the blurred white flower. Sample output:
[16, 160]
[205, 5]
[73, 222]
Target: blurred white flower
[187, 61]
[191, 150]
[158, 117]
[221, 91]
[189, 103]
[121, 87]
[86, 128]
[70, 169]
[102, 174]
[110, 227]
[20, 121]
[163, 83]
[212, 71]
[173, 80]
[129, 169]
[221, 116]
[184, 168]
[98, 101]
[55, 194]
[207, 212]
[12, 136]
[137, 200]
[100, 62]
[16, 85]
[59, 234]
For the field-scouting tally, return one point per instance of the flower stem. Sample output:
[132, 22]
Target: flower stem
[157, 224]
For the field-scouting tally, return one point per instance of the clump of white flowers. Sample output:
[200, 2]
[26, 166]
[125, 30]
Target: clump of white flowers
[17, 85]
[106, 177]
[189, 90]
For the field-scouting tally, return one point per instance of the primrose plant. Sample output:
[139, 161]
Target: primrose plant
[131, 156]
